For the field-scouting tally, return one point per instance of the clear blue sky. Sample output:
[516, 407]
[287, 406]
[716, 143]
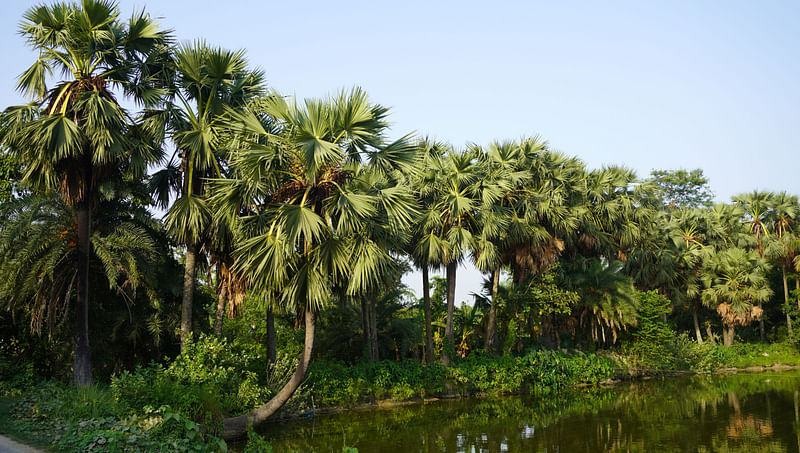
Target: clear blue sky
[707, 84]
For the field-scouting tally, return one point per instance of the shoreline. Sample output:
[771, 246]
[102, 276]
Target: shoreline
[389, 403]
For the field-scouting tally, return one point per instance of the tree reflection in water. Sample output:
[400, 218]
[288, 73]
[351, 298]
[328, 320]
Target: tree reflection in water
[732, 413]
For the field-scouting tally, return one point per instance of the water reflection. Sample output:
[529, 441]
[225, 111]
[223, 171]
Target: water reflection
[735, 413]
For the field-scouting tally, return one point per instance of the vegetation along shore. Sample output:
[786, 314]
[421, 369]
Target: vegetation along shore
[272, 285]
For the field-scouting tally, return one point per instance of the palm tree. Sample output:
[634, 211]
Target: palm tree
[734, 284]
[74, 137]
[757, 208]
[468, 319]
[501, 187]
[614, 223]
[323, 209]
[784, 245]
[448, 222]
[686, 232]
[425, 248]
[548, 209]
[608, 300]
[38, 255]
[210, 83]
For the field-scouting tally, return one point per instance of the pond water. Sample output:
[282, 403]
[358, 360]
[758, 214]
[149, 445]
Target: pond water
[722, 413]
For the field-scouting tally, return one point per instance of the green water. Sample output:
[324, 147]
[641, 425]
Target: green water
[733, 413]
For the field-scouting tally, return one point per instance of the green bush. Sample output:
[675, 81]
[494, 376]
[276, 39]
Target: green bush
[334, 383]
[689, 355]
[209, 379]
[256, 443]
[652, 336]
[153, 386]
[156, 430]
[590, 368]
[90, 419]
[744, 355]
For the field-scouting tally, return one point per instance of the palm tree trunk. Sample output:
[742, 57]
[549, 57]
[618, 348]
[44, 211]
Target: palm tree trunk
[797, 288]
[222, 297]
[448, 329]
[761, 324]
[82, 370]
[696, 325]
[190, 266]
[236, 427]
[786, 299]
[426, 297]
[365, 325]
[272, 352]
[373, 331]
[729, 335]
[517, 273]
[491, 325]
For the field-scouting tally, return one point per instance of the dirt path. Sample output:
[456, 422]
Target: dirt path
[9, 446]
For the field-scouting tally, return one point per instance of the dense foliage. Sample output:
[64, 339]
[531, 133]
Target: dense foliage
[289, 225]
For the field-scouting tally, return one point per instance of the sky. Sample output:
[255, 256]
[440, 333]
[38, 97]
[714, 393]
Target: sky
[648, 85]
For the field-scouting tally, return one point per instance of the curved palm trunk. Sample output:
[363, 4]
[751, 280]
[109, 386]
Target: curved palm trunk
[235, 427]
[786, 299]
[190, 266]
[82, 371]
[426, 297]
[696, 324]
[491, 327]
[448, 330]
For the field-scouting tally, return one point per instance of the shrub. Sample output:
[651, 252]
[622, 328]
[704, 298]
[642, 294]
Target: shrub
[90, 419]
[153, 386]
[334, 383]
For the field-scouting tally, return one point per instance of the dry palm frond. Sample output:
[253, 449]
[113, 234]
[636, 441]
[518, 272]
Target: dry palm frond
[733, 318]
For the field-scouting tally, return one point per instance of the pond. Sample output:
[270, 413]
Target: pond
[719, 413]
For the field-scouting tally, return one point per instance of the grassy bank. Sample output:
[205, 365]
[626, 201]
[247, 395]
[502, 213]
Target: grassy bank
[179, 407]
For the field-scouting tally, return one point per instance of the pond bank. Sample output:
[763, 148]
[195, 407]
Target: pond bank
[616, 380]
[159, 409]
[704, 412]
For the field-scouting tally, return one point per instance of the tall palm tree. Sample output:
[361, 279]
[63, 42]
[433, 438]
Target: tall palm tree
[425, 247]
[615, 222]
[322, 210]
[210, 83]
[734, 283]
[394, 242]
[502, 184]
[784, 245]
[549, 208]
[74, 137]
[757, 208]
[686, 231]
[449, 221]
